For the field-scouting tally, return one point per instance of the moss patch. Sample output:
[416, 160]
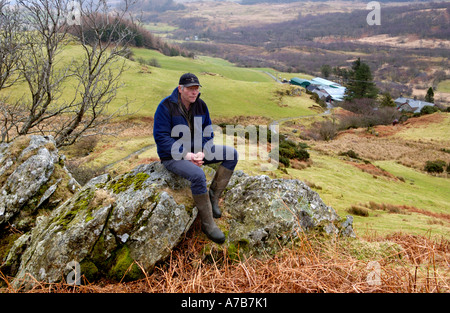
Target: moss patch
[89, 270]
[126, 181]
[81, 203]
[238, 250]
[122, 266]
[6, 243]
[118, 266]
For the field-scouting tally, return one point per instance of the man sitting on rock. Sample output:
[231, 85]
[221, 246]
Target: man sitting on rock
[184, 138]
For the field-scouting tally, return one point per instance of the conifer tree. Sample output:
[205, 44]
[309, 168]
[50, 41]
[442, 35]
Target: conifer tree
[361, 83]
[386, 100]
[430, 95]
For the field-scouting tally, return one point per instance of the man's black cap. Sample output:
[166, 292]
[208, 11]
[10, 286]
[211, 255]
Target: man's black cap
[189, 80]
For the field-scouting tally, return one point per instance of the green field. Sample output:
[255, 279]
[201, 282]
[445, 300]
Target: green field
[228, 90]
[444, 86]
[344, 185]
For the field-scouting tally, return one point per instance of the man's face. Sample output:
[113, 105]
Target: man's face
[188, 94]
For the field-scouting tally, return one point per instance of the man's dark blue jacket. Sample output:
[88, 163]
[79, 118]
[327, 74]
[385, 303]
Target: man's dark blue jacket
[169, 116]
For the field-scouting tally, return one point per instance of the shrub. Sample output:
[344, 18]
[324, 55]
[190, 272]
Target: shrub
[290, 150]
[152, 62]
[302, 155]
[287, 149]
[350, 121]
[285, 161]
[358, 210]
[368, 117]
[327, 130]
[428, 109]
[83, 174]
[84, 146]
[350, 153]
[435, 166]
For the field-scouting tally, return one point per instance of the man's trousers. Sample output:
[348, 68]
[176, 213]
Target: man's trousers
[186, 169]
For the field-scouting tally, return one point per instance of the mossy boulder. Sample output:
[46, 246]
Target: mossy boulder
[32, 173]
[112, 227]
[33, 182]
[266, 213]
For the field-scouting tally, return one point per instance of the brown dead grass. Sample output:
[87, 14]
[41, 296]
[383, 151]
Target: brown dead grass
[405, 208]
[424, 120]
[374, 170]
[380, 145]
[410, 41]
[314, 264]
[242, 120]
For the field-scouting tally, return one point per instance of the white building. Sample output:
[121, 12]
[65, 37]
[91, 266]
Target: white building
[411, 105]
[335, 90]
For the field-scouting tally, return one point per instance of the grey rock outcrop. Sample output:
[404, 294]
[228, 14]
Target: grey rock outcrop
[112, 227]
[266, 213]
[116, 227]
[31, 173]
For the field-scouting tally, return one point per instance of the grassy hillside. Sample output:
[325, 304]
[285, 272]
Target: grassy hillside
[228, 90]
[342, 185]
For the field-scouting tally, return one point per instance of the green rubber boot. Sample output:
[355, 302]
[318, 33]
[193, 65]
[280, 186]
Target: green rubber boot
[209, 227]
[218, 185]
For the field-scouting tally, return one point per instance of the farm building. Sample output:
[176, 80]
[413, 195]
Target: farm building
[326, 89]
[324, 82]
[300, 82]
[411, 105]
[335, 90]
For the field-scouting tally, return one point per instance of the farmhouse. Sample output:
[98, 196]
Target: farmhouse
[411, 105]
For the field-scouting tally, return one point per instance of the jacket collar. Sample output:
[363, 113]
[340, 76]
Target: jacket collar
[174, 96]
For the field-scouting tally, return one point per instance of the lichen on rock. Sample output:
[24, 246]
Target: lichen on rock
[268, 212]
[30, 175]
[108, 226]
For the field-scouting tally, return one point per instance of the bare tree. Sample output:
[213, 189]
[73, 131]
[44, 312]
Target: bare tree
[9, 45]
[43, 41]
[103, 34]
[10, 56]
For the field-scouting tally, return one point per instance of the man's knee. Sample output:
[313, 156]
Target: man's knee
[198, 181]
[197, 176]
[231, 158]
